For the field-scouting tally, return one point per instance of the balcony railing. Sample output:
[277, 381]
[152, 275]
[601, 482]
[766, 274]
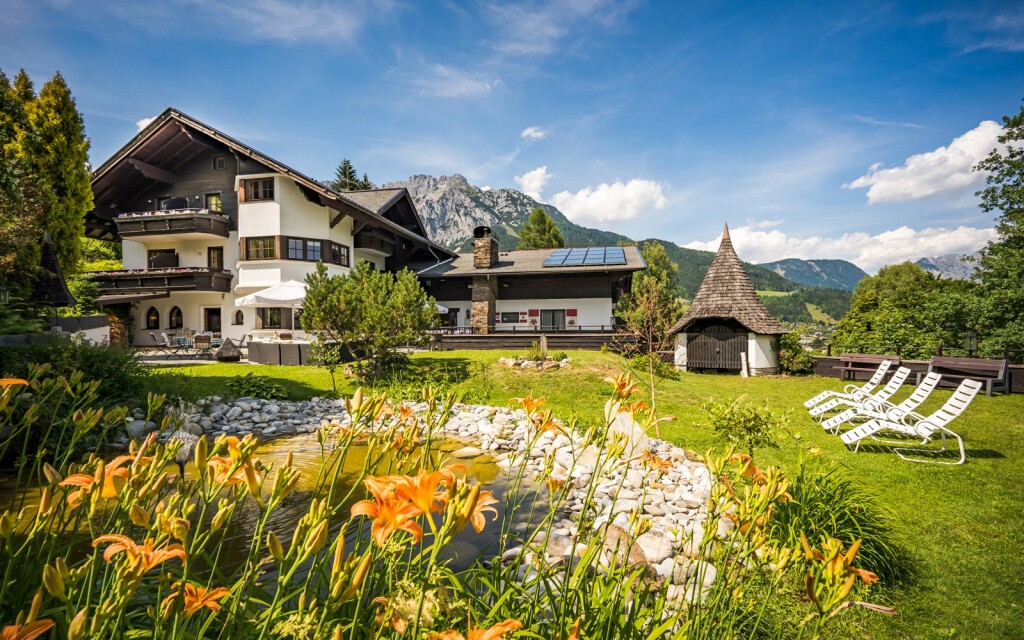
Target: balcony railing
[368, 242]
[172, 222]
[171, 279]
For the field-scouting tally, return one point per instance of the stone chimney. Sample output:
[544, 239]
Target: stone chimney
[485, 248]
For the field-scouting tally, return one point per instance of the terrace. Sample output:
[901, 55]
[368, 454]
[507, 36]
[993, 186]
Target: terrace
[172, 224]
[164, 279]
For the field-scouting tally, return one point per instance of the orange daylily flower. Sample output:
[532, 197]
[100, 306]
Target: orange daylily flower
[530, 404]
[104, 474]
[197, 598]
[25, 631]
[482, 505]
[389, 616]
[12, 382]
[497, 632]
[236, 467]
[141, 557]
[574, 630]
[389, 512]
[421, 490]
[653, 461]
[624, 385]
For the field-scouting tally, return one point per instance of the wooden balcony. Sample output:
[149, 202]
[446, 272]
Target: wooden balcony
[152, 280]
[176, 224]
[373, 243]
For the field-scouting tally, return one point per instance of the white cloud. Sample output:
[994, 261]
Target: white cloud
[885, 123]
[442, 81]
[532, 182]
[945, 171]
[534, 133]
[142, 124]
[611, 202]
[538, 28]
[867, 251]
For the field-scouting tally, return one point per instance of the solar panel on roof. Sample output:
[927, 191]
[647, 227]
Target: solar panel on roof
[586, 257]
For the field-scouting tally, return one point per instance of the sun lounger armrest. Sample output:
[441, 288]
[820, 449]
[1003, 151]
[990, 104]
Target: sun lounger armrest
[852, 389]
[912, 418]
[879, 406]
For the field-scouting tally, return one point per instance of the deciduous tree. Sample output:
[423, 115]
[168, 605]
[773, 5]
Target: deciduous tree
[1001, 271]
[540, 232]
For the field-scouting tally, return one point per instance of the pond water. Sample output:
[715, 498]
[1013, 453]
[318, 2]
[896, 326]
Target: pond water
[314, 465]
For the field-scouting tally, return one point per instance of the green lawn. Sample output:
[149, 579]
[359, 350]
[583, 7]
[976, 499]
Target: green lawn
[962, 524]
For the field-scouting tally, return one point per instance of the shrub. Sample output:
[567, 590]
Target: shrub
[828, 503]
[254, 386]
[661, 369]
[793, 358]
[122, 378]
[745, 424]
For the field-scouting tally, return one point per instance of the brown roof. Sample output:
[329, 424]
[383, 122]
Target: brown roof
[727, 292]
[525, 261]
[376, 200]
[174, 137]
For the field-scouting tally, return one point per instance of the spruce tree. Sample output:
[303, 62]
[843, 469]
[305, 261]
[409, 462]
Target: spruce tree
[57, 152]
[345, 177]
[540, 232]
[21, 210]
[365, 183]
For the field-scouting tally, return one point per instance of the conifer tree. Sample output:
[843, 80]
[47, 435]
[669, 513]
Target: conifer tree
[345, 177]
[56, 151]
[540, 232]
[21, 210]
[365, 183]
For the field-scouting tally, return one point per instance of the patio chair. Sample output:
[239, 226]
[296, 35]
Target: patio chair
[884, 409]
[159, 346]
[852, 391]
[203, 345]
[894, 384]
[172, 346]
[924, 427]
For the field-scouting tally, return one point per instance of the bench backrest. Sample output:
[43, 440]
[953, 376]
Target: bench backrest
[864, 358]
[968, 366]
[952, 408]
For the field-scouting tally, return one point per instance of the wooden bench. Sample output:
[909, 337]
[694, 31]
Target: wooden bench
[994, 374]
[850, 364]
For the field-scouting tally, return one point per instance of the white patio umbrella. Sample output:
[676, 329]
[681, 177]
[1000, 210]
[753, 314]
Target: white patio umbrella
[441, 308]
[290, 293]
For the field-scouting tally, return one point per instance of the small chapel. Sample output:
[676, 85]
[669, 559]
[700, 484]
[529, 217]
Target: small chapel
[727, 328]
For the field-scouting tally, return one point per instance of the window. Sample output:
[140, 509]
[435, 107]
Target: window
[212, 202]
[273, 318]
[260, 189]
[239, 317]
[313, 250]
[174, 319]
[260, 249]
[303, 249]
[218, 162]
[215, 258]
[339, 254]
[152, 318]
[509, 316]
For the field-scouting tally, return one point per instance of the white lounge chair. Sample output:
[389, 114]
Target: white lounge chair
[924, 428]
[885, 410]
[886, 392]
[852, 391]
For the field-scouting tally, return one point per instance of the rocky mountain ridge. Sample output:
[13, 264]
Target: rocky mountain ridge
[831, 274]
[953, 266]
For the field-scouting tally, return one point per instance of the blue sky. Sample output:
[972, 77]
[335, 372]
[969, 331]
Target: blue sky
[815, 129]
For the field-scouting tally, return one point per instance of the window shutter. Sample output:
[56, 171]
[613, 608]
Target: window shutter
[241, 190]
[241, 249]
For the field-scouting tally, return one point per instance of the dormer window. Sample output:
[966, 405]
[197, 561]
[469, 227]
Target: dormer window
[219, 162]
[259, 189]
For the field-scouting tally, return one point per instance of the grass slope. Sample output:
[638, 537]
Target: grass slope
[962, 524]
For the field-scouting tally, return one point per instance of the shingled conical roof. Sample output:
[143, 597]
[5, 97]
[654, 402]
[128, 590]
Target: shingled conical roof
[727, 292]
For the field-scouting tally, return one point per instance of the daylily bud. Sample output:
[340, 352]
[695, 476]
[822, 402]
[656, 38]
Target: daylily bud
[76, 631]
[53, 582]
[62, 568]
[357, 578]
[223, 515]
[44, 501]
[274, 544]
[6, 524]
[139, 516]
[202, 453]
[36, 608]
[339, 553]
[316, 538]
[51, 474]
